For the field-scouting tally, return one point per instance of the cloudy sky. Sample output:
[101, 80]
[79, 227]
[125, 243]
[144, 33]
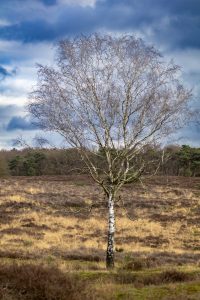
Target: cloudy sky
[29, 30]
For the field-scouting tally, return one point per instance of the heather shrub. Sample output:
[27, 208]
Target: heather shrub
[31, 282]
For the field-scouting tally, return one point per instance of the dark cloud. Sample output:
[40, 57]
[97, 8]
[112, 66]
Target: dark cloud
[4, 73]
[48, 2]
[20, 123]
[38, 30]
[10, 119]
[45, 2]
[7, 110]
[6, 113]
[29, 31]
[176, 22]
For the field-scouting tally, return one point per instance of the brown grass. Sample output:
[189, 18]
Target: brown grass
[38, 216]
[51, 248]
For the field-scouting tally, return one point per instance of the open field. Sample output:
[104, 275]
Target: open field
[47, 232]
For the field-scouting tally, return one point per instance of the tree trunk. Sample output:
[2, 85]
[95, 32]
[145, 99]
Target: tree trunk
[111, 231]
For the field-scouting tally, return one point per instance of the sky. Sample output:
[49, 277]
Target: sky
[30, 29]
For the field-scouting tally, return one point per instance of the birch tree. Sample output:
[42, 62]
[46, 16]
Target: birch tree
[110, 96]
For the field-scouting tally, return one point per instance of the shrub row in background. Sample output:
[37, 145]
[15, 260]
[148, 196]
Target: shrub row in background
[178, 161]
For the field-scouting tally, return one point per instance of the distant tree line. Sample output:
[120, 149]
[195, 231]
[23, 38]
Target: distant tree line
[176, 160]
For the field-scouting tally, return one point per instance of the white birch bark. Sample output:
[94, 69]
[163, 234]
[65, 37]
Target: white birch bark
[111, 232]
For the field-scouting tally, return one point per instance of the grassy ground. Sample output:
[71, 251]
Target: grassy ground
[48, 231]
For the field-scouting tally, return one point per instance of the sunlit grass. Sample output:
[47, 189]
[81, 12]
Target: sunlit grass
[40, 223]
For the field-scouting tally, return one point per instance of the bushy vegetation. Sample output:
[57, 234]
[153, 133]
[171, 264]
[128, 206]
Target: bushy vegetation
[178, 161]
[37, 162]
[28, 281]
[38, 282]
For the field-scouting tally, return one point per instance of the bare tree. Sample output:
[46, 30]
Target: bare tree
[110, 97]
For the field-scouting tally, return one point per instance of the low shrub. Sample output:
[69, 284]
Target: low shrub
[169, 276]
[31, 282]
[142, 279]
[175, 276]
[137, 264]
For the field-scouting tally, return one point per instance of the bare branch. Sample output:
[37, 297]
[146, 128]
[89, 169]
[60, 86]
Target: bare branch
[113, 95]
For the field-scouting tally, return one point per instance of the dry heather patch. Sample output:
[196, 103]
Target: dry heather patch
[40, 282]
[38, 218]
[30, 282]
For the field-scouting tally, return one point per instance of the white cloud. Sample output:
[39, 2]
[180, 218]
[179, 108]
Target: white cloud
[10, 98]
[78, 2]
[7, 140]
[15, 89]
[35, 52]
[189, 59]
[4, 22]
